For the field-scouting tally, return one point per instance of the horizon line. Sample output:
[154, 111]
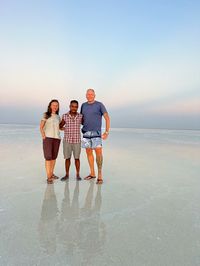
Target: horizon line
[155, 128]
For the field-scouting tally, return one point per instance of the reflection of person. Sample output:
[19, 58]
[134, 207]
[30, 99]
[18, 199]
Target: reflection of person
[69, 230]
[92, 138]
[81, 230]
[48, 221]
[71, 122]
[49, 128]
[93, 231]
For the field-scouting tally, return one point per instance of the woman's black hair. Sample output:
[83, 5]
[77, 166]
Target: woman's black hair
[49, 111]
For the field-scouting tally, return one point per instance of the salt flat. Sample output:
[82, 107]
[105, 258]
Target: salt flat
[147, 212]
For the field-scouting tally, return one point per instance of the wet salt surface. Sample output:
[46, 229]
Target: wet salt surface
[147, 212]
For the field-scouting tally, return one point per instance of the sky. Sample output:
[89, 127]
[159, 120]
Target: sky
[141, 57]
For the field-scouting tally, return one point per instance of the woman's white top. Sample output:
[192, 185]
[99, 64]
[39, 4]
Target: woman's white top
[51, 127]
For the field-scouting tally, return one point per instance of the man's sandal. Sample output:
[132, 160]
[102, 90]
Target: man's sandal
[64, 178]
[89, 177]
[49, 181]
[99, 181]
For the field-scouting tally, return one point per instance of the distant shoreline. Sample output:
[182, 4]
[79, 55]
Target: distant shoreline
[114, 128]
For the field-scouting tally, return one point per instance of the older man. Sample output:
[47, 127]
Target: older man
[92, 112]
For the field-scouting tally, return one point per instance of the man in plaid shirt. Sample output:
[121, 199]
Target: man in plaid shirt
[71, 123]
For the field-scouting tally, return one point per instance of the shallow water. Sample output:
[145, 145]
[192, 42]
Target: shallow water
[147, 212]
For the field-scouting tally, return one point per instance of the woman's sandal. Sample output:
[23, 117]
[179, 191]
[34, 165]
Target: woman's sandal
[99, 181]
[55, 177]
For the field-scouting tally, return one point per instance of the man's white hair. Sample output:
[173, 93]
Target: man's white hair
[90, 89]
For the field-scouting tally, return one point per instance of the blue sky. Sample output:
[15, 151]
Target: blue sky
[141, 57]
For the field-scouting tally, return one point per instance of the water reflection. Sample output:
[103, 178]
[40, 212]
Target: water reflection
[93, 230]
[69, 230]
[49, 221]
[80, 233]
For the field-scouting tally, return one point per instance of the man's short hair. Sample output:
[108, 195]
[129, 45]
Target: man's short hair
[91, 90]
[74, 101]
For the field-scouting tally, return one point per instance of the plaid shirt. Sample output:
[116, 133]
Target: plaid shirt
[72, 133]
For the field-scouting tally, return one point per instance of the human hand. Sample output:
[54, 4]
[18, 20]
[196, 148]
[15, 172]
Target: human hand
[105, 135]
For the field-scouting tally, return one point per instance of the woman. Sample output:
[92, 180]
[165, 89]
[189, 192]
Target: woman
[49, 128]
